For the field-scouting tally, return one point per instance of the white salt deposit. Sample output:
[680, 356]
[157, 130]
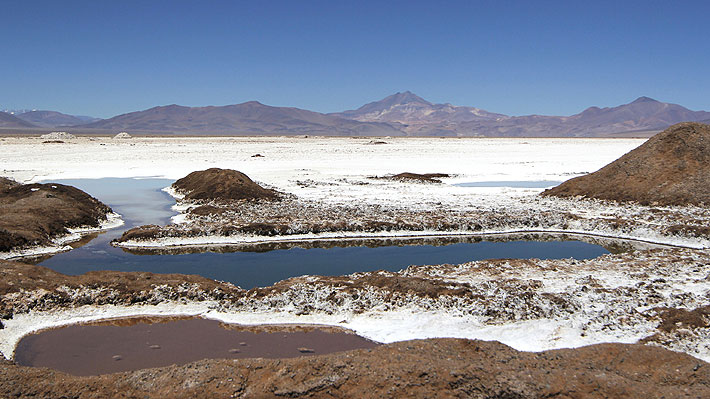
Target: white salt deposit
[57, 136]
[327, 162]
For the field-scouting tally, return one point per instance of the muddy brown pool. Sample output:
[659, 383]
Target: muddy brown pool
[134, 345]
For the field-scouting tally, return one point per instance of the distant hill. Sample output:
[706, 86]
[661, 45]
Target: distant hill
[417, 116]
[11, 121]
[54, 119]
[642, 114]
[250, 118]
[400, 114]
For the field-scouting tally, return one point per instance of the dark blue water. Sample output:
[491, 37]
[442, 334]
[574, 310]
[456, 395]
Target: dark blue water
[142, 202]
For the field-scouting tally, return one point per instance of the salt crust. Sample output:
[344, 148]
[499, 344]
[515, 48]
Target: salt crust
[207, 241]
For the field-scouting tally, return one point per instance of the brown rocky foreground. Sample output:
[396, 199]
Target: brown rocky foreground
[671, 168]
[34, 214]
[445, 368]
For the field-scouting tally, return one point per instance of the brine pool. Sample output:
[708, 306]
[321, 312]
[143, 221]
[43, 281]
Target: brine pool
[141, 201]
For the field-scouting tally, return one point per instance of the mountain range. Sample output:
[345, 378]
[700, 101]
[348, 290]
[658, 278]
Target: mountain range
[250, 118]
[36, 118]
[11, 121]
[54, 119]
[418, 117]
[401, 114]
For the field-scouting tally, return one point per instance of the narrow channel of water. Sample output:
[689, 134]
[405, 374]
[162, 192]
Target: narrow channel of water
[141, 201]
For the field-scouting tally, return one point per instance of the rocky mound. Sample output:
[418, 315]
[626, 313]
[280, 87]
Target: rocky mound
[671, 168]
[6, 184]
[33, 214]
[217, 184]
[425, 177]
[422, 368]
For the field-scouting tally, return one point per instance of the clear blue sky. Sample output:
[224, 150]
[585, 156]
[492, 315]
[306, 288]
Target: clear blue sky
[104, 58]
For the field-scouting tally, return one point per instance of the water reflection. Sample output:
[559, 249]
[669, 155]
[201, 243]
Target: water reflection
[609, 244]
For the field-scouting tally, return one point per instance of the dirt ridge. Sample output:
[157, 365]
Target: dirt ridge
[35, 214]
[448, 368]
[671, 168]
[216, 184]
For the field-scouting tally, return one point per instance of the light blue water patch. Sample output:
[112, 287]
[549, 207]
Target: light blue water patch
[511, 183]
[141, 201]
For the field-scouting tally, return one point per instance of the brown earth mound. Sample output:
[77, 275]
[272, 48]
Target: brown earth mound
[33, 214]
[426, 177]
[18, 276]
[6, 184]
[217, 184]
[446, 368]
[671, 168]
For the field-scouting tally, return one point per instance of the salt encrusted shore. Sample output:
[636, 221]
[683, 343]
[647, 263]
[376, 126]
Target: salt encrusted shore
[293, 219]
[658, 297]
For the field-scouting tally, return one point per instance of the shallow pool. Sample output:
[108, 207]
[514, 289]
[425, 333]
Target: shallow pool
[133, 344]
